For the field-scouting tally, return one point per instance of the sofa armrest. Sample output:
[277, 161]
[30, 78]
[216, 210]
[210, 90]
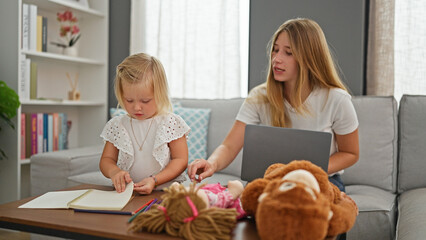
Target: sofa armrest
[50, 171]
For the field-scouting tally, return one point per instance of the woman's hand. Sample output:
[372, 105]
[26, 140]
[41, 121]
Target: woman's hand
[200, 167]
[120, 179]
[145, 186]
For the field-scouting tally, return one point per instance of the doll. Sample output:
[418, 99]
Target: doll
[205, 212]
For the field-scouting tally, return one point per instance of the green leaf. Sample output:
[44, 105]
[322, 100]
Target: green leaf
[74, 40]
[9, 101]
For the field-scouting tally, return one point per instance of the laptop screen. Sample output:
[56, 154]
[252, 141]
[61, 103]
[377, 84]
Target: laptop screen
[265, 145]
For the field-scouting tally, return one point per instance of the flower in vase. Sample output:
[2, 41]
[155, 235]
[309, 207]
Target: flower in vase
[68, 30]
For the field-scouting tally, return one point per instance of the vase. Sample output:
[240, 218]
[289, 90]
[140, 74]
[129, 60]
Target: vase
[70, 51]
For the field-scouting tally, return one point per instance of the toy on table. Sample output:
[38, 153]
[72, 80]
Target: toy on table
[205, 212]
[297, 201]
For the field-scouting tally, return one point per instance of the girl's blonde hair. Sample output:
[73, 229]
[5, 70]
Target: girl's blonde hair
[148, 70]
[316, 68]
[170, 216]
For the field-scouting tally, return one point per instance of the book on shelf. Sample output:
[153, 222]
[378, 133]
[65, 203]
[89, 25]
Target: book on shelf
[32, 43]
[82, 199]
[25, 25]
[24, 90]
[44, 35]
[38, 133]
[28, 135]
[50, 132]
[39, 33]
[33, 80]
[62, 134]
[33, 133]
[22, 135]
[55, 131]
[45, 131]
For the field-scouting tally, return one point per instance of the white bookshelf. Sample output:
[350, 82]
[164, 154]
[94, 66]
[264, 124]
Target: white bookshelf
[88, 115]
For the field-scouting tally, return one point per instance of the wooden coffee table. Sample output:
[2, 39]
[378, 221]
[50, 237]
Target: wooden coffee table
[76, 225]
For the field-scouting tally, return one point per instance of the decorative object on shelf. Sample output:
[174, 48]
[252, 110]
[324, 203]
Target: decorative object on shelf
[74, 94]
[69, 33]
[70, 51]
[9, 103]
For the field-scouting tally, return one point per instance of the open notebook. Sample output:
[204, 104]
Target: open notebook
[82, 199]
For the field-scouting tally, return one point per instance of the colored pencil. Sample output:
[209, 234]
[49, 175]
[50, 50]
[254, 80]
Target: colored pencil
[149, 206]
[147, 203]
[144, 209]
[103, 211]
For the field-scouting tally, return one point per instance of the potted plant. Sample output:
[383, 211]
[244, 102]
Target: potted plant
[68, 31]
[9, 103]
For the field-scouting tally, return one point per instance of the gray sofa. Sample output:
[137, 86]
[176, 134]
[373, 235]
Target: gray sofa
[386, 183]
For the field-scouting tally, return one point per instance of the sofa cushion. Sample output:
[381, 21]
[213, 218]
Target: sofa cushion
[378, 135]
[222, 117]
[95, 177]
[198, 120]
[61, 164]
[377, 209]
[412, 139]
[411, 215]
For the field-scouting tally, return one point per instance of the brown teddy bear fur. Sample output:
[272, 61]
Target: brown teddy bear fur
[282, 215]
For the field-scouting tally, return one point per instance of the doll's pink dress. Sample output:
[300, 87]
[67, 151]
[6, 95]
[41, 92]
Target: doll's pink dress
[219, 196]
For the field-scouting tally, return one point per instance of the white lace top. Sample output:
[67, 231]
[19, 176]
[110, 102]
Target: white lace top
[155, 153]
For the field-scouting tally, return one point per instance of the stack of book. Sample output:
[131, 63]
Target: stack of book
[34, 29]
[43, 132]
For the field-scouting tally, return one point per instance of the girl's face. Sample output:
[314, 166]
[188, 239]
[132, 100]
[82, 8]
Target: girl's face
[284, 66]
[138, 100]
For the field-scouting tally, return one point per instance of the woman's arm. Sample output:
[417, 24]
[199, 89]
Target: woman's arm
[347, 154]
[177, 164]
[222, 156]
[109, 168]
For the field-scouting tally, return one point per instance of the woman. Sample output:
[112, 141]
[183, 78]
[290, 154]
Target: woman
[302, 90]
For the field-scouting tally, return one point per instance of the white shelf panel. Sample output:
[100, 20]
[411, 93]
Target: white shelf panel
[55, 56]
[25, 161]
[62, 5]
[60, 102]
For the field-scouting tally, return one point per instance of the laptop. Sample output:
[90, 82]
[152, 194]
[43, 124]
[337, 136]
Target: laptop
[265, 145]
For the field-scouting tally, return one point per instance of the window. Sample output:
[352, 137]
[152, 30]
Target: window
[202, 44]
[396, 48]
[410, 47]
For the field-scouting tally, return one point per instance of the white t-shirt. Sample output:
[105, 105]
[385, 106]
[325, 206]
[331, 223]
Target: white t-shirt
[330, 111]
[155, 153]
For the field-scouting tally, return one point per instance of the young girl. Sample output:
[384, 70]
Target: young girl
[148, 145]
[302, 90]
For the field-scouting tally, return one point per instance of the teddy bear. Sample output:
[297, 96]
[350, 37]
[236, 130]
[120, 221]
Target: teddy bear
[297, 201]
[208, 211]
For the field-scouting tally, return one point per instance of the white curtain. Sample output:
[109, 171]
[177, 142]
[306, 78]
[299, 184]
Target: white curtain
[199, 43]
[396, 60]
[380, 49]
[410, 47]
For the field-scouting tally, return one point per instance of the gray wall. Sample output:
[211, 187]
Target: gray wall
[343, 23]
[119, 41]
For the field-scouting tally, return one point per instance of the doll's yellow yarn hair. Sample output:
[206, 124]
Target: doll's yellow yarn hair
[211, 223]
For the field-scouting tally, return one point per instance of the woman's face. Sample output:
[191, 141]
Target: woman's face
[284, 66]
[138, 100]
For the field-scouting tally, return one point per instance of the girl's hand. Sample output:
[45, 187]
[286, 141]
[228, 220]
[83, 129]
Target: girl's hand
[145, 186]
[120, 178]
[201, 167]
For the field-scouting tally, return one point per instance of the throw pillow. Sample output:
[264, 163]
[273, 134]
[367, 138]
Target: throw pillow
[116, 112]
[198, 120]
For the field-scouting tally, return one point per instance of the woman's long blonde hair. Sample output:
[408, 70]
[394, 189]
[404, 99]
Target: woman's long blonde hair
[147, 69]
[316, 68]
